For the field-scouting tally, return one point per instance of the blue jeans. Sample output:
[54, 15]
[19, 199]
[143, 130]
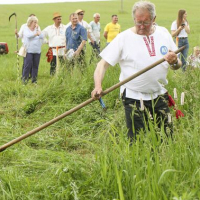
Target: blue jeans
[184, 52]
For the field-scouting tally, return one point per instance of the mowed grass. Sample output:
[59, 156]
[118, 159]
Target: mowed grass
[86, 155]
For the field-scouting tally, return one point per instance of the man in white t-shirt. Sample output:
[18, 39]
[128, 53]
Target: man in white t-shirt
[55, 37]
[135, 49]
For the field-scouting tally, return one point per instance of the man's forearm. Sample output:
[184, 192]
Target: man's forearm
[81, 46]
[90, 37]
[100, 72]
[105, 35]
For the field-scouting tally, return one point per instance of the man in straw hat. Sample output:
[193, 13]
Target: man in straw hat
[135, 49]
[55, 36]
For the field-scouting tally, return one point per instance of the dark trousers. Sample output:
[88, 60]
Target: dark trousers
[23, 68]
[95, 51]
[78, 61]
[53, 64]
[136, 119]
[31, 62]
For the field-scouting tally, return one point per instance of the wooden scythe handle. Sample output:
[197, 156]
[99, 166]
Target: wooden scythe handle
[2, 148]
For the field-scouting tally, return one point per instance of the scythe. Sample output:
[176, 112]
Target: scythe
[78, 107]
[14, 14]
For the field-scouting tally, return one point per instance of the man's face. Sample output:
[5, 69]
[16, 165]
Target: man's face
[74, 19]
[114, 19]
[58, 20]
[143, 22]
[80, 16]
[97, 18]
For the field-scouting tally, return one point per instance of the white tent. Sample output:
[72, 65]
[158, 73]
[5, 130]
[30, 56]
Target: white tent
[7, 2]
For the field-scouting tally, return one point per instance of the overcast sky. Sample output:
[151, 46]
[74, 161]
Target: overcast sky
[40, 1]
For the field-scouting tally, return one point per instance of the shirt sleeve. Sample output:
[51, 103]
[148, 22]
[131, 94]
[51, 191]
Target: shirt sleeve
[89, 28]
[106, 28]
[174, 26]
[45, 34]
[27, 33]
[20, 33]
[83, 33]
[112, 53]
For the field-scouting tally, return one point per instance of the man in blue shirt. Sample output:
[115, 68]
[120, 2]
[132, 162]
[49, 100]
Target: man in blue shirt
[76, 37]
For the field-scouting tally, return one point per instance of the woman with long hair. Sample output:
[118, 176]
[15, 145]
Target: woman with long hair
[180, 29]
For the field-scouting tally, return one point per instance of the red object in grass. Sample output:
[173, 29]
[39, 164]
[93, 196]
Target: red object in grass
[179, 114]
[49, 55]
[171, 103]
[3, 48]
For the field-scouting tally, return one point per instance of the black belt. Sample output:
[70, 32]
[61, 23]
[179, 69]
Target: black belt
[182, 37]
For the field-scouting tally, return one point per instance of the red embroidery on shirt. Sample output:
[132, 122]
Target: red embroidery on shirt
[151, 50]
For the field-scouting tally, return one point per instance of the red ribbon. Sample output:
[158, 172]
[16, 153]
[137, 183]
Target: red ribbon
[171, 103]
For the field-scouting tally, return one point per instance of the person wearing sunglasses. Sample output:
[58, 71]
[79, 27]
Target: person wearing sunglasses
[145, 98]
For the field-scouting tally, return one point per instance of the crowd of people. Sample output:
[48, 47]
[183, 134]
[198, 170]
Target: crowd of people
[67, 43]
[133, 49]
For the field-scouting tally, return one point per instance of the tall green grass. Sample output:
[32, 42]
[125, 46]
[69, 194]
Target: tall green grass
[87, 154]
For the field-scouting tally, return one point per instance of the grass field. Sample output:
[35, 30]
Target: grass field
[87, 156]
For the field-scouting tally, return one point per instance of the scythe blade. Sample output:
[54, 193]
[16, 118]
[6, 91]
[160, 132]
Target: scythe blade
[14, 14]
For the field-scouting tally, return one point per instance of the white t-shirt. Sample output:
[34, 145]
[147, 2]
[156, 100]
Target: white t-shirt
[134, 52]
[182, 33]
[56, 37]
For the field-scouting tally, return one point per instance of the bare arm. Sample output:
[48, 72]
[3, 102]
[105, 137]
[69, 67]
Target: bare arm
[90, 37]
[105, 34]
[98, 78]
[187, 29]
[77, 52]
[176, 32]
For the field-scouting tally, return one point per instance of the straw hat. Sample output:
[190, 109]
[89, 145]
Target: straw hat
[56, 14]
[79, 10]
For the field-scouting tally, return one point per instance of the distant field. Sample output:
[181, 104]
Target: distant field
[166, 13]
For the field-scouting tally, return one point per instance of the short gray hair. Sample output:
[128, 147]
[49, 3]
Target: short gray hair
[31, 19]
[144, 5]
[96, 14]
